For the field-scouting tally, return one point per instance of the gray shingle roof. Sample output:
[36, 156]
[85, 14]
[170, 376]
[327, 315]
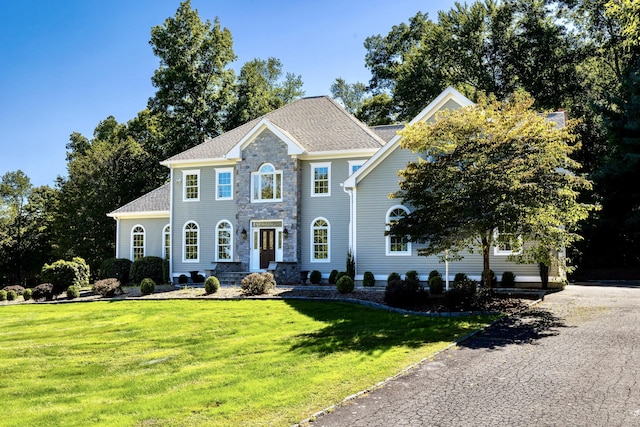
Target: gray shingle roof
[155, 201]
[387, 132]
[317, 123]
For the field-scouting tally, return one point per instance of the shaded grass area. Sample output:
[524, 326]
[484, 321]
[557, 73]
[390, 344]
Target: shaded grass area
[201, 363]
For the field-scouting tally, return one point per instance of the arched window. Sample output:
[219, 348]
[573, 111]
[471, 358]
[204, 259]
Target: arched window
[224, 241]
[397, 245]
[267, 184]
[320, 240]
[137, 242]
[191, 242]
[166, 242]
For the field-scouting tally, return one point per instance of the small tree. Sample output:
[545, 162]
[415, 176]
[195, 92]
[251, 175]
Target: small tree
[492, 166]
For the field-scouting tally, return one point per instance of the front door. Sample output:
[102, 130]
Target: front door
[267, 246]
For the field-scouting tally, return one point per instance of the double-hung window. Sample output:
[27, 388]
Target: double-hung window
[320, 240]
[224, 184]
[137, 242]
[224, 242]
[320, 179]
[397, 245]
[191, 185]
[267, 184]
[191, 242]
[166, 239]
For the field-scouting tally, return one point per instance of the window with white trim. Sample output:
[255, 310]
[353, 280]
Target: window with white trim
[191, 242]
[224, 184]
[354, 165]
[191, 185]
[320, 179]
[166, 242]
[505, 244]
[266, 184]
[224, 241]
[320, 240]
[137, 242]
[397, 245]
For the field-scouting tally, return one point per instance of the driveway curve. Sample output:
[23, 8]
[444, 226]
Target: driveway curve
[572, 360]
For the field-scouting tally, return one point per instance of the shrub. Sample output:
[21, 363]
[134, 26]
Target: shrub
[118, 268]
[333, 277]
[351, 265]
[412, 276]
[368, 279]
[508, 280]
[73, 292]
[315, 277]
[339, 275]
[211, 285]
[199, 278]
[16, 288]
[3, 295]
[147, 267]
[403, 293]
[345, 284]
[84, 272]
[462, 296]
[493, 278]
[147, 286]
[11, 295]
[257, 283]
[43, 291]
[61, 274]
[459, 277]
[165, 271]
[393, 277]
[27, 294]
[434, 273]
[436, 285]
[107, 287]
[183, 279]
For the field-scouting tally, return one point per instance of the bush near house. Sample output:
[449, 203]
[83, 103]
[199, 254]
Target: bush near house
[107, 287]
[436, 285]
[333, 276]
[183, 279]
[27, 294]
[62, 274]
[404, 293]
[434, 273]
[3, 295]
[345, 284]
[257, 283]
[11, 295]
[412, 276]
[315, 277]
[393, 277]
[211, 285]
[462, 295]
[43, 291]
[147, 267]
[459, 278]
[73, 292]
[84, 272]
[19, 290]
[339, 275]
[118, 268]
[368, 279]
[147, 286]
[508, 280]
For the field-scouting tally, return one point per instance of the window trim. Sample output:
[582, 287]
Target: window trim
[220, 171]
[185, 173]
[353, 163]
[277, 179]
[230, 229]
[505, 252]
[166, 231]
[184, 242]
[388, 250]
[314, 166]
[143, 233]
[312, 240]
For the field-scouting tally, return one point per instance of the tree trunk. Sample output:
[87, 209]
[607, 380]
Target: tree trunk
[544, 275]
[486, 269]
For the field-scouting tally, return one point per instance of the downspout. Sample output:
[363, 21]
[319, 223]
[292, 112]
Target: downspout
[171, 227]
[352, 223]
[117, 237]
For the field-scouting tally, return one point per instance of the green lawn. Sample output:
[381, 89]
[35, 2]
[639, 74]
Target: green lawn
[201, 363]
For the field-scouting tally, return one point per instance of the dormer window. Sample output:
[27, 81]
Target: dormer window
[266, 184]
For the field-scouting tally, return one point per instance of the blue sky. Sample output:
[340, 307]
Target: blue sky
[65, 65]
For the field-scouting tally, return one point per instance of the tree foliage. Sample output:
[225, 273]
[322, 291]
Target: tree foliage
[493, 166]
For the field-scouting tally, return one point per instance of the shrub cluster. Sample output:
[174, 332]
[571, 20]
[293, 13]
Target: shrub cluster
[73, 292]
[27, 294]
[147, 286]
[368, 279]
[62, 274]
[404, 293]
[211, 285]
[11, 295]
[3, 295]
[118, 268]
[333, 276]
[107, 287]
[436, 285]
[16, 288]
[463, 294]
[315, 277]
[339, 275]
[345, 284]
[43, 291]
[147, 267]
[393, 277]
[508, 280]
[183, 279]
[257, 283]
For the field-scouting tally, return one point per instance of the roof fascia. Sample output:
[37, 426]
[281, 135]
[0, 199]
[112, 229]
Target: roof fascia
[134, 215]
[219, 161]
[294, 148]
[339, 154]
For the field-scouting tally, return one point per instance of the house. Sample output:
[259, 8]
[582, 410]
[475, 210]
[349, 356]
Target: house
[291, 191]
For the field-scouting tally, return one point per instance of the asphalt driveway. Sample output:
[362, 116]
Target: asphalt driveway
[573, 360]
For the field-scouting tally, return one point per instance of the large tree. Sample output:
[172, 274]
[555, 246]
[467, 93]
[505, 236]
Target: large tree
[194, 81]
[496, 167]
[15, 188]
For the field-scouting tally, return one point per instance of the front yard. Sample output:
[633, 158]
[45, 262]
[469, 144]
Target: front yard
[201, 363]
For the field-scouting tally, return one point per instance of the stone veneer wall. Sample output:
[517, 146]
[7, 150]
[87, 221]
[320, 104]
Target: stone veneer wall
[267, 148]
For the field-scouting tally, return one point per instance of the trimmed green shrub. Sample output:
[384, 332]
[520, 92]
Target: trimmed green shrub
[118, 268]
[11, 295]
[16, 288]
[459, 277]
[333, 276]
[107, 287]
[412, 276]
[43, 291]
[351, 265]
[147, 267]
[339, 275]
[183, 279]
[211, 285]
[403, 293]
[508, 280]
[199, 278]
[61, 274]
[462, 296]
[368, 279]
[393, 277]
[434, 273]
[3, 295]
[27, 294]
[436, 285]
[73, 292]
[345, 284]
[147, 286]
[84, 273]
[315, 277]
[257, 283]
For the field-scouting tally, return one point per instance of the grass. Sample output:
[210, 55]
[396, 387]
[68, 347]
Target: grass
[201, 363]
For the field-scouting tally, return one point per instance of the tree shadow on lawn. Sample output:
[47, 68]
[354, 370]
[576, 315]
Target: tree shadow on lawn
[526, 327]
[352, 327]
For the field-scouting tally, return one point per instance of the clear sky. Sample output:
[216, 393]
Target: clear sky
[65, 65]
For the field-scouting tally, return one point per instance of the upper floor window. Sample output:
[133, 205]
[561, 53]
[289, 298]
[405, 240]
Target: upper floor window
[137, 242]
[267, 184]
[506, 244]
[224, 184]
[224, 242]
[166, 242]
[320, 179]
[354, 165]
[397, 245]
[191, 242]
[320, 240]
[191, 185]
